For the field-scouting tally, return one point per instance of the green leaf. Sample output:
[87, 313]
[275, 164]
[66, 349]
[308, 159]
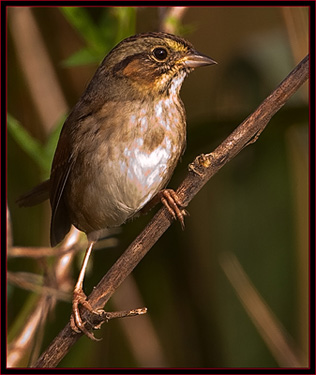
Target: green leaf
[30, 145]
[80, 19]
[82, 57]
[114, 24]
[126, 22]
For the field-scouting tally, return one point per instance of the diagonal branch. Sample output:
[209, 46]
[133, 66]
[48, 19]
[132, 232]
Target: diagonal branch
[200, 171]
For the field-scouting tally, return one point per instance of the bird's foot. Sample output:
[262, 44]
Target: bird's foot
[171, 201]
[76, 322]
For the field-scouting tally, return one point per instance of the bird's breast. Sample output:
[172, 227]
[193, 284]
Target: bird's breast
[145, 163]
[133, 163]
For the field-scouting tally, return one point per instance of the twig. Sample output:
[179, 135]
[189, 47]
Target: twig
[124, 314]
[50, 287]
[201, 170]
[34, 283]
[20, 346]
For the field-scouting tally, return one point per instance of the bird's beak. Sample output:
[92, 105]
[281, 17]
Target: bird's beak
[196, 59]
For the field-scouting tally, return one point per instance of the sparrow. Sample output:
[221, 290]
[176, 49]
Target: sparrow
[120, 144]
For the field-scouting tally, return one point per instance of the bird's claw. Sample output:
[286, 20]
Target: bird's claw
[171, 201]
[76, 322]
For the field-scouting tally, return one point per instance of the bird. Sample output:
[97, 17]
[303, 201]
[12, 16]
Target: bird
[120, 144]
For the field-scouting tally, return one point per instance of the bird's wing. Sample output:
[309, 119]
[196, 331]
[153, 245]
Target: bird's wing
[61, 169]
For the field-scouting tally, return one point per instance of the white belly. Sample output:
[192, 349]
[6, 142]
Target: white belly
[136, 162]
[130, 182]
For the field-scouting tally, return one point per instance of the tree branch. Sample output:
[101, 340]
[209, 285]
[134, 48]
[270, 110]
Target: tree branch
[200, 171]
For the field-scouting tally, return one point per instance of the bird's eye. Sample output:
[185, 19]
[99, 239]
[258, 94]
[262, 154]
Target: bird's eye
[160, 53]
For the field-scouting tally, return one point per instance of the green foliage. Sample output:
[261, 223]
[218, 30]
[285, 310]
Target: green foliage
[112, 25]
[178, 26]
[41, 154]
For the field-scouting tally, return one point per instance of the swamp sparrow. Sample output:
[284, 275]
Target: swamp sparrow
[120, 143]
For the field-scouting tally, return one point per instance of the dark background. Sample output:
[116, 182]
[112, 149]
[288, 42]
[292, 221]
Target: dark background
[254, 209]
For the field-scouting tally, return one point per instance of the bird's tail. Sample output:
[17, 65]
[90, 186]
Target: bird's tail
[35, 196]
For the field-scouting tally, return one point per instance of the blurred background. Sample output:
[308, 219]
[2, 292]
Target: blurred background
[232, 289]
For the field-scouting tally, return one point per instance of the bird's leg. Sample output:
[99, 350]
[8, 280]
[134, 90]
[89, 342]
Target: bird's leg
[171, 201]
[79, 298]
